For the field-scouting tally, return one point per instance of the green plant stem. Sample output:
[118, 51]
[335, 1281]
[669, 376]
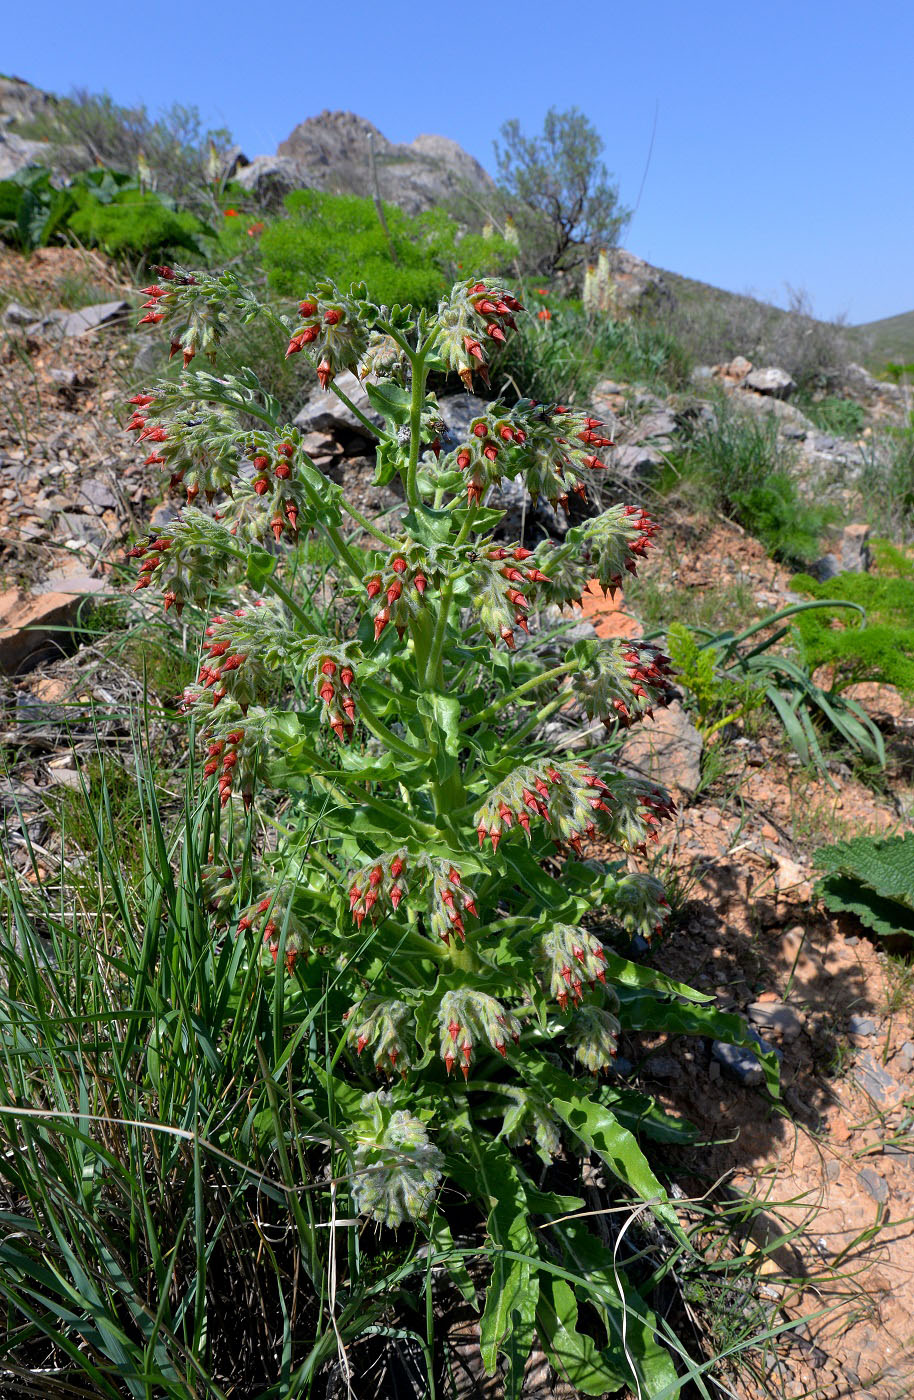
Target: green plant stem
[387, 736]
[417, 358]
[366, 524]
[430, 676]
[344, 398]
[532, 684]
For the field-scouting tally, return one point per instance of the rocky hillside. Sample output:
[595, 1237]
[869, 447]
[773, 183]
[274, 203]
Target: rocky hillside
[333, 151]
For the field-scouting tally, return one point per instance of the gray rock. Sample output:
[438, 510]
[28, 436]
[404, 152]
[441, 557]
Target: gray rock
[876, 1185]
[635, 460]
[861, 1025]
[96, 495]
[622, 1066]
[15, 314]
[739, 1063]
[829, 566]
[325, 413]
[772, 381]
[88, 318]
[270, 178]
[334, 151]
[667, 748]
[660, 424]
[775, 1016]
[873, 1079]
[149, 358]
[855, 549]
[639, 947]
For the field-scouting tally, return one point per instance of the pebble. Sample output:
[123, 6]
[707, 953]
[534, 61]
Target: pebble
[873, 1079]
[861, 1025]
[873, 1183]
[639, 947]
[741, 1063]
[775, 1016]
[832, 1169]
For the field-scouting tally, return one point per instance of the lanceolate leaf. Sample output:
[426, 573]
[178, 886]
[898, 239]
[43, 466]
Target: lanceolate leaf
[600, 1131]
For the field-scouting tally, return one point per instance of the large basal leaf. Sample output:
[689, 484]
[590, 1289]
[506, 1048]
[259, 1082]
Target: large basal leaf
[844, 894]
[507, 1324]
[600, 1131]
[573, 1355]
[633, 1344]
[886, 865]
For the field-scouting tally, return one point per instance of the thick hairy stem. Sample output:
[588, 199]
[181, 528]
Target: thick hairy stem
[415, 424]
[387, 736]
[532, 684]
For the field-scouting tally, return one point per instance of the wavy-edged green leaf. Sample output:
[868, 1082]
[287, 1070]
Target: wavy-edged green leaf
[600, 1131]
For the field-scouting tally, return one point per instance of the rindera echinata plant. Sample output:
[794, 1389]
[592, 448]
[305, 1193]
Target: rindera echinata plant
[429, 889]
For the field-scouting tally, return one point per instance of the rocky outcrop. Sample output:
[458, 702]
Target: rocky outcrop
[332, 151]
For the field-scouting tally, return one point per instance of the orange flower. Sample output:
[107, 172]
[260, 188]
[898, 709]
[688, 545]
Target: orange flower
[542, 291]
[231, 214]
[256, 229]
[545, 314]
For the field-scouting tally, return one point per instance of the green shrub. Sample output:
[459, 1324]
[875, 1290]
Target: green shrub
[134, 224]
[102, 208]
[845, 418]
[341, 236]
[878, 650]
[737, 464]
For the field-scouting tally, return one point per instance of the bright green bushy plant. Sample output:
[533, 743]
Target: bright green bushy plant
[102, 208]
[407, 258]
[384, 890]
[876, 644]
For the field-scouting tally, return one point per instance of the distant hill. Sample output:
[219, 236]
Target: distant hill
[892, 338]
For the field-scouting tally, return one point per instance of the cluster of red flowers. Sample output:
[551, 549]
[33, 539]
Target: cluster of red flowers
[572, 956]
[339, 336]
[224, 754]
[377, 884]
[159, 299]
[266, 474]
[221, 650]
[333, 683]
[479, 457]
[393, 587]
[470, 320]
[450, 900]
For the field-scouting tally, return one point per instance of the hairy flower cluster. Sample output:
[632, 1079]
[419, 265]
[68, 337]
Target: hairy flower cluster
[565, 794]
[571, 956]
[471, 319]
[638, 808]
[639, 904]
[621, 681]
[496, 597]
[275, 917]
[333, 331]
[187, 559]
[236, 741]
[398, 588]
[197, 442]
[196, 307]
[396, 1170]
[378, 886]
[331, 670]
[593, 1035]
[561, 449]
[617, 539]
[450, 899]
[467, 1017]
[486, 456]
[227, 664]
[387, 1026]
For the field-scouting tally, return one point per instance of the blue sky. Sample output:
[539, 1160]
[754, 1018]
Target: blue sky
[784, 142]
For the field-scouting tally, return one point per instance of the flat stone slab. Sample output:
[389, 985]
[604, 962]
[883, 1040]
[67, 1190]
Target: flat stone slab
[29, 622]
[775, 1016]
[666, 749]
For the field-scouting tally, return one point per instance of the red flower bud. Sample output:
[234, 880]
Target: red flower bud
[333, 317]
[398, 565]
[307, 307]
[420, 581]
